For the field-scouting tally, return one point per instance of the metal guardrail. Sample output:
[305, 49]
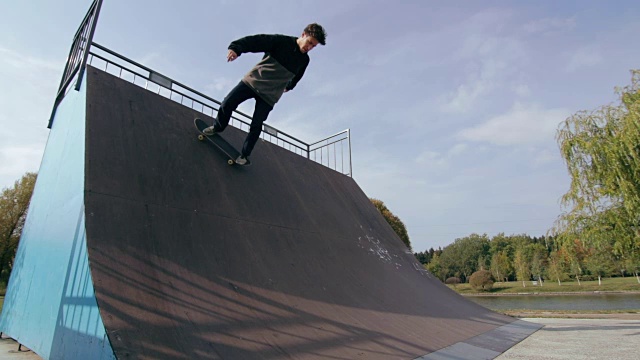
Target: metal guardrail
[77, 59]
[333, 152]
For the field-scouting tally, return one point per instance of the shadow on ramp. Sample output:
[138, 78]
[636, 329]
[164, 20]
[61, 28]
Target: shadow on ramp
[193, 258]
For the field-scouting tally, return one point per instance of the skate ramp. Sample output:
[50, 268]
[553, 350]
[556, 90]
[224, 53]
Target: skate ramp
[193, 258]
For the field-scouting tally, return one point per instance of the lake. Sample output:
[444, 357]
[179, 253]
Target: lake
[595, 301]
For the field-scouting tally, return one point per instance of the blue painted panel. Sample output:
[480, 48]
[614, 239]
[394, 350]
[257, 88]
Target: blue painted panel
[50, 304]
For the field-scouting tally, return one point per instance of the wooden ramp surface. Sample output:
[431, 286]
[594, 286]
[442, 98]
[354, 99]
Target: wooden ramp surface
[195, 259]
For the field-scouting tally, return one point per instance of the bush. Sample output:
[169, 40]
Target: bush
[481, 280]
[453, 281]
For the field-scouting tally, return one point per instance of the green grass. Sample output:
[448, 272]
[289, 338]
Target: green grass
[515, 287]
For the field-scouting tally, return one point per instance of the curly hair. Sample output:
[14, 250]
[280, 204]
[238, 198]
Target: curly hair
[317, 32]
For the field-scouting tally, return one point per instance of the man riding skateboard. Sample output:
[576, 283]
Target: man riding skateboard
[282, 66]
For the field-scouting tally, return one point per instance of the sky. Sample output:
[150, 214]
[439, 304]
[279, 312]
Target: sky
[453, 106]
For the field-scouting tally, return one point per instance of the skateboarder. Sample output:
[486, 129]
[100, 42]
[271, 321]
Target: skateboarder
[282, 66]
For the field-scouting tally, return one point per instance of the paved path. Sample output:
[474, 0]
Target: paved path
[9, 351]
[573, 339]
[579, 339]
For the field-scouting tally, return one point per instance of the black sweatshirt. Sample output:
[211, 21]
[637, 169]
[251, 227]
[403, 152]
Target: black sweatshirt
[280, 69]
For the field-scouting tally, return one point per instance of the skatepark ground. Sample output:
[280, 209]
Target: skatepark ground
[609, 336]
[613, 337]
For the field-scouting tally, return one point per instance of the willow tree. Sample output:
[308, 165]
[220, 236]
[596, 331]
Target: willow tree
[601, 149]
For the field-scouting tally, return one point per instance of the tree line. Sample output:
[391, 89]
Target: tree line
[598, 232]
[524, 258]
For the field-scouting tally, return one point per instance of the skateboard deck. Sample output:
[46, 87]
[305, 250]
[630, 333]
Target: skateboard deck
[218, 141]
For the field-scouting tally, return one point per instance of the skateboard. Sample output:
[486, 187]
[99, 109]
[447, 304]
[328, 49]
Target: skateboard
[219, 142]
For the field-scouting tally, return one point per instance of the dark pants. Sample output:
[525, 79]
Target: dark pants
[237, 96]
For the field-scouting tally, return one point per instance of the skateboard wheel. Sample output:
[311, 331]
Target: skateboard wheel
[200, 137]
[230, 162]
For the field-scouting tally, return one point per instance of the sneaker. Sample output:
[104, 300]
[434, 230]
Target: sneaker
[241, 160]
[209, 131]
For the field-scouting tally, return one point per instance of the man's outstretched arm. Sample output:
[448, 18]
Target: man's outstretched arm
[252, 43]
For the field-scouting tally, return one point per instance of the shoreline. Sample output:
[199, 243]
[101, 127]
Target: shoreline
[563, 314]
[554, 293]
[630, 314]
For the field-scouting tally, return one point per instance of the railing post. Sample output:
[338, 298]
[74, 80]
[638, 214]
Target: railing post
[72, 67]
[350, 163]
[89, 40]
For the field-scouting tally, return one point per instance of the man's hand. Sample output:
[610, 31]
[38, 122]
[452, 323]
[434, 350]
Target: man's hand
[231, 55]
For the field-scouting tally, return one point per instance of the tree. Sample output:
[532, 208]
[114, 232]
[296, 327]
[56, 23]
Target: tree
[600, 262]
[522, 265]
[481, 280]
[575, 254]
[396, 224]
[453, 281]
[14, 203]
[461, 259]
[435, 267]
[423, 257]
[601, 149]
[633, 264]
[538, 260]
[556, 267]
[501, 266]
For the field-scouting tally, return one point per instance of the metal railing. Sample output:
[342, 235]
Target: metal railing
[333, 152]
[77, 59]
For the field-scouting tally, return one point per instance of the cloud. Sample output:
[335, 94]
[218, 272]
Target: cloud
[522, 90]
[545, 156]
[346, 85]
[432, 158]
[30, 84]
[457, 149]
[463, 98]
[550, 25]
[585, 57]
[221, 85]
[23, 62]
[159, 60]
[25, 74]
[18, 160]
[523, 124]
[435, 162]
[489, 61]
